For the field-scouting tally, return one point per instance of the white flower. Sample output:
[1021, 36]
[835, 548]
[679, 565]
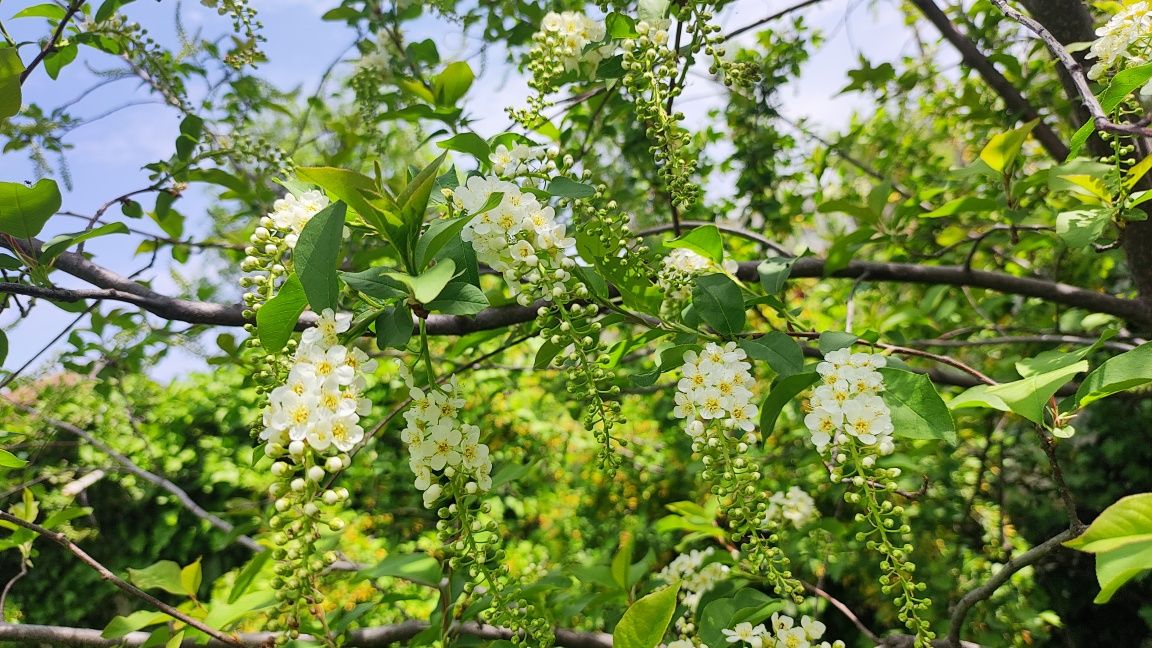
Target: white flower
[715, 387]
[1127, 37]
[795, 506]
[813, 628]
[847, 404]
[291, 213]
[747, 633]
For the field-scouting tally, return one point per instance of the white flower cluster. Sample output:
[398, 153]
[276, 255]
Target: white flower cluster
[519, 238]
[716, 386]
[321, 403]
[847, 404]
[568, 33]
[439, 444]
[796, 506]
[291, 213]
[508, 161]
[695, 577]
[784, 634]
[678, 269]
[1126, 37]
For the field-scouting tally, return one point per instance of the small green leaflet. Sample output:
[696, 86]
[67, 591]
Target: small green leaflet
[565, 187]
[1121, 538]
[1026, 397]
[704, 240]
[774, 272]
[1003, 148]
[317, 254]
[394, 327]
[645, 622]
[9, 460]
[430, 283]
[57, 244]
[1128, 370]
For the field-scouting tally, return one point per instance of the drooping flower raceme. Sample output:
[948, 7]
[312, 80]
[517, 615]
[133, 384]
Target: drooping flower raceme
[696, 578]
[272, 240]
[784, 633]
[321, 403]
[716, 387]
[795, 506]
[1125, 39]
[846, 406]
[519, 237]
[439, 444]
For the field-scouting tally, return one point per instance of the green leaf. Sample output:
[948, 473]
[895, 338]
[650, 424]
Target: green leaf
[317, 254]
[164, 575]
[46, 10]
[918, 412]
[1121, 538]
[565, 187]
[835, 340]
[704, 241]
[57, 244]
[719, 302]
[747, 605]
[65, 515]
[774, 272]
[375, 282]
[1080, 228]
[644, 623]
[56, 60]
[779, 350]
[1128, 370]
[9, 460]
[438, 234]
[277, 318]
[1137, 172]
[1058, 359]
[782, 393]
[430, 283]
[844, 249]
[965, 205]
[3, 347]
[356, 190]
[247, 575]
[459, 298]
[394, 327]
[1003, 148]
[469, 143]
[10, 69]
[618, 26]
[418, 568]
[108, 8]
[1026, 397]
[122, 625]
[622, 560]
[450, 86]
[24, 210]
[190, 578]
[9, 262]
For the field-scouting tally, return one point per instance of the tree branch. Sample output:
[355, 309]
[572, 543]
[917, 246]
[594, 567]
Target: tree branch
[1076, 71]
[361, 638]
[73, 7]
[107, 575]
[764, 21]
[974, 58]
[975, 595]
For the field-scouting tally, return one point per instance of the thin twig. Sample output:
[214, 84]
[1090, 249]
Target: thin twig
[764, 21]
[845, 610]
[123, 585]
[1076, 71]
[50, 46]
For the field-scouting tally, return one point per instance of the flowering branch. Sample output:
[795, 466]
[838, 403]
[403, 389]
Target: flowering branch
[1076, 71]
[107, 575]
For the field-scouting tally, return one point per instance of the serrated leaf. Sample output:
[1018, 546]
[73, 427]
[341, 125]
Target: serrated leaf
[191, 576]
[622, 560]
[773, 273]
[705, 241]
[1128, 370]
[164, 575]
[394, 327]
[375, 282]
[964, 205]
[317, 254]
[645, 621]
[565, 187]
[430, 283]
[122, 625]
[247, 575]
[918, 412]
[1026, 397]
[1003, 148]
[1121, 538]
[10, 69]
[9, 460]
[277, 318]
[459, 298]
[1080, 228]
[782, 392]
[835, 340]
[779, 350]
[418, 568]
[469, 143]
[57, 244]
[452, 84]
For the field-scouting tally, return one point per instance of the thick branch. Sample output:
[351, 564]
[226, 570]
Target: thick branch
[989, 587]
[362, 638]
[127, 587]
[120, 288]
[974, 58]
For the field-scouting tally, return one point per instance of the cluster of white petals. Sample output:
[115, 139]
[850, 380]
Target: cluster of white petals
[439, 444]
[847, 405]
[1126, 37]
[783, 634]
[695, 577]
[716, 387]
[568, 33]
[322, 401]
[291, 213]
[677, 270]
[519, 237]
[508, 161]
[795, 506]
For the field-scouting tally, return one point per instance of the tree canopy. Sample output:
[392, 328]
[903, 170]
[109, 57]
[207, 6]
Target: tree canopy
[621, 371]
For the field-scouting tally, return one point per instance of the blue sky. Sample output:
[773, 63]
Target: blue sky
[108, 154]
